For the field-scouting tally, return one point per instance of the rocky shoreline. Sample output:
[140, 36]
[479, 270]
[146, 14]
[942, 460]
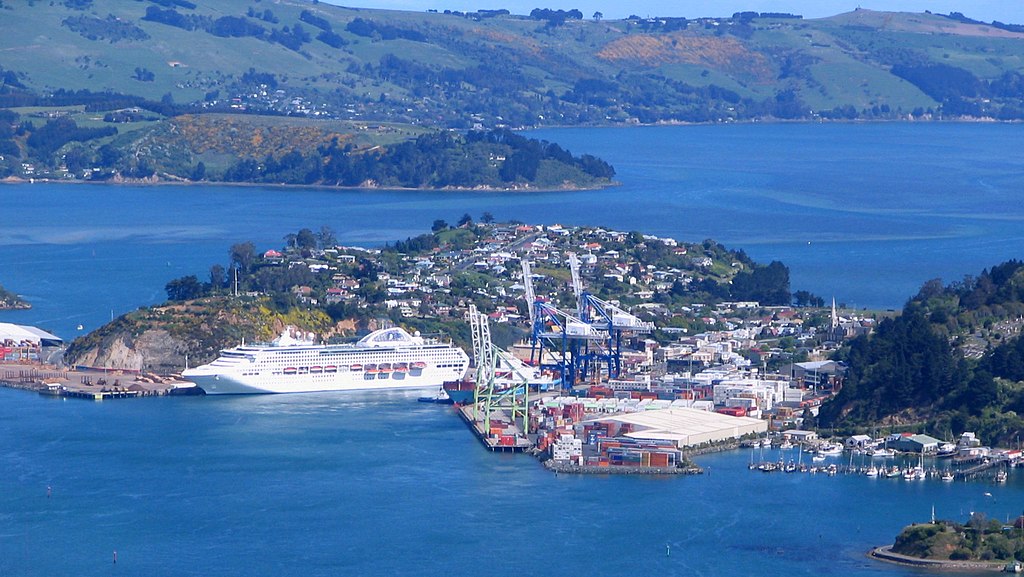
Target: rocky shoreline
[885, 553]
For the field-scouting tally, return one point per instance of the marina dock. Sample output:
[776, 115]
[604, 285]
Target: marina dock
[984, 471]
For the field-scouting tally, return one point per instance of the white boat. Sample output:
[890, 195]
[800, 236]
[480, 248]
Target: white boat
[1001, 477]
[948, 476]
[871, 471]
[290, 366]
[914, 474]
[830, 449]
[882, 453]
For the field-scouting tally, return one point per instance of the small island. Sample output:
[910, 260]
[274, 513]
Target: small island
[11, 301]
[980, 543]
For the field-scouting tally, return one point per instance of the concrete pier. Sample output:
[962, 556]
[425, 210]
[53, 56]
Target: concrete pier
[492, 442]
[86, 384]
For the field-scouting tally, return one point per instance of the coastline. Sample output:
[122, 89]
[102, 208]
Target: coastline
[884, 553]
[771, 121]
[556, 468]
[18, 181]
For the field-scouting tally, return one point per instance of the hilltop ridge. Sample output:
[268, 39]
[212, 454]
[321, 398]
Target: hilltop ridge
[308, 93]
[492, 69]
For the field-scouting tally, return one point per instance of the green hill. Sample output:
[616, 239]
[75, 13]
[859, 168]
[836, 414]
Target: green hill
[228, 90]
[979, 539]
[953, 360]
[494, 69]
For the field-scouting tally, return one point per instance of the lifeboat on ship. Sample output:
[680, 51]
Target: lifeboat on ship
[400, 370]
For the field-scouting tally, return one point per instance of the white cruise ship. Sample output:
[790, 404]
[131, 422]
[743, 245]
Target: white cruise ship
[384, 359]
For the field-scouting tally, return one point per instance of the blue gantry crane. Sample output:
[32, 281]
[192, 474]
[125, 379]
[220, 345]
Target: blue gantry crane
[610, 320]
[584, 345]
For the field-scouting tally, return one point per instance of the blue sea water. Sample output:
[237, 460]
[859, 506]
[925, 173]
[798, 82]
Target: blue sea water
[343, 484]
[863, 212]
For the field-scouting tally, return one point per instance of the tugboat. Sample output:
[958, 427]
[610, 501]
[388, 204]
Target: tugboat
[441, 397]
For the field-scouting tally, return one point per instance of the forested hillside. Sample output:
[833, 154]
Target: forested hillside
[953, 360]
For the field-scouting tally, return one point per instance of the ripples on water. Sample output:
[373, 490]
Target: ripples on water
[865, 213]
[381, 485]
[325, 484]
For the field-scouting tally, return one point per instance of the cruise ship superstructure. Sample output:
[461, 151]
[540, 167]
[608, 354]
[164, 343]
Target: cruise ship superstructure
[384, 359]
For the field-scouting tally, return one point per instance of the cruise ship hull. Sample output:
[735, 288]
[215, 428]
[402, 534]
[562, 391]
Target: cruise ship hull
[217, 384]
[389, 359]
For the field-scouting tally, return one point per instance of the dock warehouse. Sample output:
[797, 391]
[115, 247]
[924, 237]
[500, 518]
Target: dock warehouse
[686, 427]
[21, 335]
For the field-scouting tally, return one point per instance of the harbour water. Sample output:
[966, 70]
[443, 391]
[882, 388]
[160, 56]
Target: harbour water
[343, 484]
[864, 212]
[347, 484]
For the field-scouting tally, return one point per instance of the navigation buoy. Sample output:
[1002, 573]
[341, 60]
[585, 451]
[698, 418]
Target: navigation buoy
[49, 491]
[115, 557]
[668, 550]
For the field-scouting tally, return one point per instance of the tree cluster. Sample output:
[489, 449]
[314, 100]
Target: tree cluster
[433, 160]
[110, 28]
[768, 285]
[555, 17]
[48, 138]
[372, 29]
[314, 20]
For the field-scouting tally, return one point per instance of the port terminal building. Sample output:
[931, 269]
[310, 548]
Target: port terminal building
[20, 342]
[686, 427]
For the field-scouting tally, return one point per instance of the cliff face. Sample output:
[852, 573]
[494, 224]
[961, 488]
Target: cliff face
[157, 339]
[154, 350]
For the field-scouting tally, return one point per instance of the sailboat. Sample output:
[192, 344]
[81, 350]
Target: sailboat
[915, 473]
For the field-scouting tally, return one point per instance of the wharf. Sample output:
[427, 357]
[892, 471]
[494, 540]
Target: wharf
[567, 467]
[87, 384]
[97, 395]
[522, 443]
[981, 467]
